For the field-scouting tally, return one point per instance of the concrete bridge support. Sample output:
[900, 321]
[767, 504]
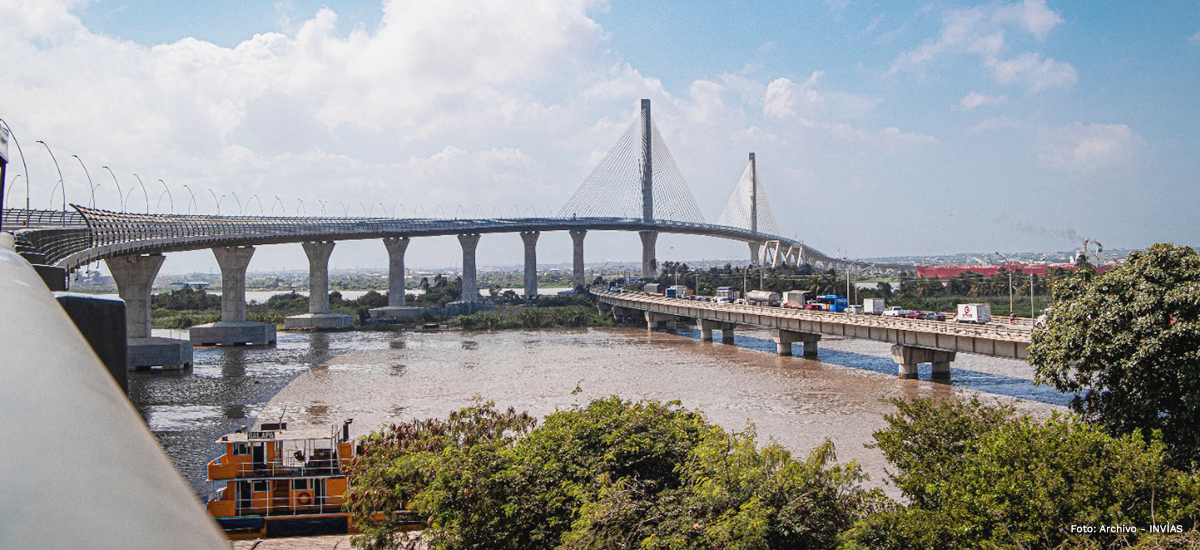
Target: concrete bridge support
[530, 239]
[233, 327]
[907, 358]
[785, 338]
[396, 310]
[659, 320]
[470, 289]
[318, 316]
[134, 275]
[707, 327]
[649, 264]
[577, 258]
[754, 248]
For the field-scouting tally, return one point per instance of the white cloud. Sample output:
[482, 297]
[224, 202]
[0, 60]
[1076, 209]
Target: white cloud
[1091, 149]
[981, 31]
[1034, 73]
[1194, 39]
[976, 99]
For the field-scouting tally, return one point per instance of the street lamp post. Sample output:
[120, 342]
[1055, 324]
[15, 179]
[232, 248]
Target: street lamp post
[216, 200]
[1008, 268]
[13, 135]
[191, 200]
[60, 180]
[89, 177]
[239, 201]
[145, 195]
[166, 190]
[120, 195]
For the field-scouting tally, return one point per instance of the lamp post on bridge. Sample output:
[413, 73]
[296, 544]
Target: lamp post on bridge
[166, 190]
[60, 180]
[120, 196]
[1008, 268]
[21, 152]
[216, 200]
[89, 177]
[145, 195]
[191, 199]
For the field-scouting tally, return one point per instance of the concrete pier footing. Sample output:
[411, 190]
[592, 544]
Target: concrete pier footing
[785, 338]
[233, 328]
[396, 310]
[659, 320]
[318, 316]
[395, 248]
[707, 327]
[530, 239]
[908, 357]
[649, 264]
[577, 277]
[134, 275]
[470, 289]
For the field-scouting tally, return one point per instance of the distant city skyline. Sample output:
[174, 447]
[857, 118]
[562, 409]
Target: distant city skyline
[880, 129]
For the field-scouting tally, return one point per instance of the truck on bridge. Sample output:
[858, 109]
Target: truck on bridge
[762, 297]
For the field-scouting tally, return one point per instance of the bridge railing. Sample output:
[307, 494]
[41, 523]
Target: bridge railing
[1019, 333]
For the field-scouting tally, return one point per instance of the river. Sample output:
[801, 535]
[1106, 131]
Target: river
[374, 377]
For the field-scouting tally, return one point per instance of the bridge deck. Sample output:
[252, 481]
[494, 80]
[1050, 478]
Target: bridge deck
[1009, 341]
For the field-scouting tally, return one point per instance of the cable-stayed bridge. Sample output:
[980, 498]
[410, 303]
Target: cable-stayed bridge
[635, 187]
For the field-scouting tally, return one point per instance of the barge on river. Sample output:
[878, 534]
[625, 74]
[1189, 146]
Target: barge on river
[279, 482]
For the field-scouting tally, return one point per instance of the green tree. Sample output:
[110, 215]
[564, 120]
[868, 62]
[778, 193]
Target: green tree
[1127, 344]
[976, 477]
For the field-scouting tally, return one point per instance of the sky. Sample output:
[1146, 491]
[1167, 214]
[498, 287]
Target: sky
[880, 128]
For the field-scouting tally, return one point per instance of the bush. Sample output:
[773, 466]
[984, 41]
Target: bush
[976, 477]
[612, 474]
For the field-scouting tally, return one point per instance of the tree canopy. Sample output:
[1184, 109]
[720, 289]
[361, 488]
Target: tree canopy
[1127, 344]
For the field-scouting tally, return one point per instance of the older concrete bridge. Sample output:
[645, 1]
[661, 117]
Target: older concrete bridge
[914, 341]
[636, 187]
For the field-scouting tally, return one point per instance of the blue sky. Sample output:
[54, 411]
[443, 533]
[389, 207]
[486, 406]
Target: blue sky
[880, 128]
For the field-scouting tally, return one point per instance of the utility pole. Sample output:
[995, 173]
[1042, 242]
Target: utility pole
[3, 169]
[1008, 268]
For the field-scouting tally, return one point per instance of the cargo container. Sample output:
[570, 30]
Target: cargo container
[677, 291]
[729, 293]
[873, 306]
[652, 289]
[796, 298]
[974, 313]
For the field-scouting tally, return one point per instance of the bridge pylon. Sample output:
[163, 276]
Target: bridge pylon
[748, 208]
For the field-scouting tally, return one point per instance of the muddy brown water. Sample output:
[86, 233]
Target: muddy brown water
[319, 380]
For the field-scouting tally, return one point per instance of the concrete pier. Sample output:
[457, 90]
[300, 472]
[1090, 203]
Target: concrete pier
[708, 326]
[908, 357]
[233, 328]
[659, 320]
[754, 248]
[318, 317]
[785, 338]
[470, 289]
[649, 264]
[577, 277]
[530, 239]
[396, 310]
[134, 275]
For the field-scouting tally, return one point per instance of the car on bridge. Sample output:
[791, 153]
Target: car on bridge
[914, 314]
[894, 311]
[854, 310]
[934, 316]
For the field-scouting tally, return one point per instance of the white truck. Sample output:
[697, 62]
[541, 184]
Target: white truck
[678, 291]
[796, 298]
[873, 306]
[974, 313]
[652, 289]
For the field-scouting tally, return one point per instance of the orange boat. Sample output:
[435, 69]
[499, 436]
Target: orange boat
[279, 482]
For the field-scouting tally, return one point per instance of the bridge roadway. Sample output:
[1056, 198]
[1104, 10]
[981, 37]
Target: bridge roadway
[914, 340]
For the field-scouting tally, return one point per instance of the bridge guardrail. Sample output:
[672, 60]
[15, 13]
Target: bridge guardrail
[1016, 333]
